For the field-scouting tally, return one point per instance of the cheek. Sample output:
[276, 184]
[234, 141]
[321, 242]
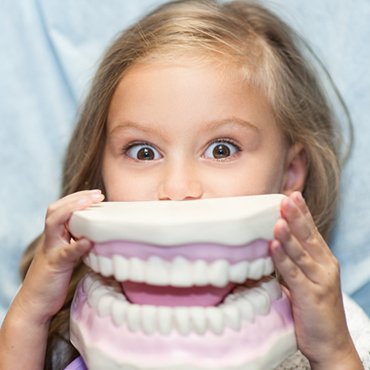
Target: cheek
[263, 178]
[275, 176]
[127, 188]
[124, 185]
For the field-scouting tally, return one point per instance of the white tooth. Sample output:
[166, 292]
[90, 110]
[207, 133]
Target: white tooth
[97, 284]
[94, 264]
[88, 282]
[148, 319]
[231, 298]
[181, 320]
[245, 309]
[105, 266]
[87, 259]
[215, 320]
[164, 320]
[104, 304]
[199, 273]
[218, 273]
[133, 317]
[273, 289]
[259, 300]
[157, 271]
[119, 311]
[239, 272]
[120, 268]
[198, 319]
[180, 273]
[256, 269]
[231, 316]
[269, 266]
[95, 294]
[137, 270]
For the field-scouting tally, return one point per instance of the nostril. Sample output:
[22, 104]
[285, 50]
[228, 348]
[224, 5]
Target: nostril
[180, 182]
[191, 198]
[176, 192]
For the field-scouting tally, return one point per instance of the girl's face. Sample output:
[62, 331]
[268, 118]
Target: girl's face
[185, 131]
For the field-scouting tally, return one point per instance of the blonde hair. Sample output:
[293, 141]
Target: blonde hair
[241, 33]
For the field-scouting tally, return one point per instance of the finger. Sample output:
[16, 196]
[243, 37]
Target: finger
[296, 253]
[59, 213]
[289, 271]
[302, 226]
[69, 254]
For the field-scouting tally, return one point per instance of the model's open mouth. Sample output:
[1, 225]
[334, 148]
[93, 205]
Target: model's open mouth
[190, 290]
[190, 275]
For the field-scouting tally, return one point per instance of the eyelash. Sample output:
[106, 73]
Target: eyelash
[129, 146]
[227, 141]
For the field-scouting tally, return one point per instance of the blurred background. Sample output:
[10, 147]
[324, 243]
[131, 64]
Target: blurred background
[49, 50]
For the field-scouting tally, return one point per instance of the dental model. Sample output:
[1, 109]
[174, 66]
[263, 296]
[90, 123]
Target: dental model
[181, 285]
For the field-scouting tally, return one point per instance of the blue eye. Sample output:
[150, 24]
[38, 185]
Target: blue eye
[142, 152]
[221, 149]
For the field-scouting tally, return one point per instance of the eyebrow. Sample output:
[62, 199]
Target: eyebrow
[131, 125]
[210, 125]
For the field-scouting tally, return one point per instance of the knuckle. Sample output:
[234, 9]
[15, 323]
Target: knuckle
[313, 236]
[50, 210]
[49, 220]
[302, 258]
[309, 238]
[332, 274]
[293, 273]
[336, 267]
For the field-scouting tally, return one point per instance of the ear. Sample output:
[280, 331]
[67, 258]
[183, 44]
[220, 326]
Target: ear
[295, 169]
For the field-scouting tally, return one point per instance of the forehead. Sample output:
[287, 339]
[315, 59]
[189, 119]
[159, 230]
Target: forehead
[162, 91]
[183, 98]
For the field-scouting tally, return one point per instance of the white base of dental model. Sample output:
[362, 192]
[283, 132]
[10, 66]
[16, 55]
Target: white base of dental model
[181, 285]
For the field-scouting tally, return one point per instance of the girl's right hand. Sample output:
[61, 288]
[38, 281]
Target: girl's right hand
[46, 284]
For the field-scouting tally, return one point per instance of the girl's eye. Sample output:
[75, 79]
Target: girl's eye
[142, 152]
[221, 149]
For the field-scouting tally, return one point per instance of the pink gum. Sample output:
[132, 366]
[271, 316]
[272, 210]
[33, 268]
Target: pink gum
[206, 252]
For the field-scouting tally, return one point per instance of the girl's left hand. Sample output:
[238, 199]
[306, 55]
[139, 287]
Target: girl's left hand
[311, 274]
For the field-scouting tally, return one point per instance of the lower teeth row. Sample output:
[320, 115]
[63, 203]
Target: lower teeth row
[242, 305]
[179, 272]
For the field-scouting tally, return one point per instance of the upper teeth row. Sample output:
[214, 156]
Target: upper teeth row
[179, 272]
[242, 305]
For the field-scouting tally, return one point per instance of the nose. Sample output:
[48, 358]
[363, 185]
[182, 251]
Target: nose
[180, 182]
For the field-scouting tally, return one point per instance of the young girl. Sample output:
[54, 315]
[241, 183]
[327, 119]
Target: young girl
[198, 99]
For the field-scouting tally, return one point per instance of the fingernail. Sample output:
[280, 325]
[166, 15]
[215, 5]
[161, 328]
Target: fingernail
[288, 203]
[276, 248]
[83, 201]
[285, 226]
[95, 191]
[292, 203]
[97, 196]
[299, 197]
[84, 242]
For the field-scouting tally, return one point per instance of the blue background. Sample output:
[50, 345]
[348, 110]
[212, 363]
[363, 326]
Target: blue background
[49, 50]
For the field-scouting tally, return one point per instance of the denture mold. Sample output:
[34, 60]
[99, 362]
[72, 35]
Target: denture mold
[181, 285]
